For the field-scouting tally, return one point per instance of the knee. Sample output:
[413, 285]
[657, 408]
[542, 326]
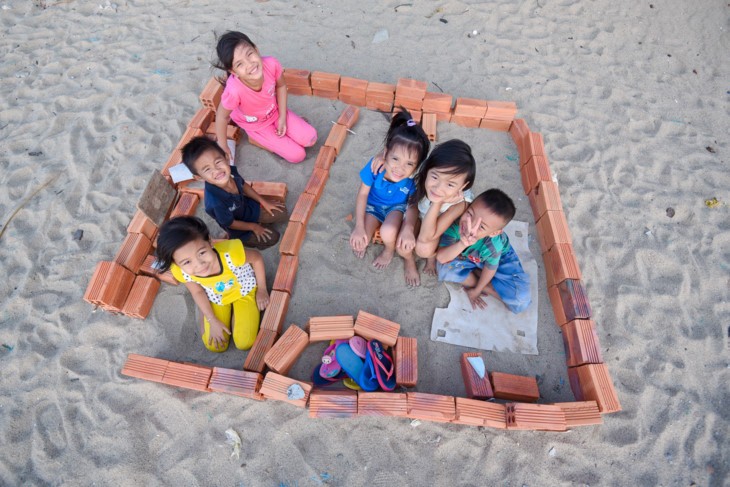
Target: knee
[245, 343]
[424, 250]
[213, 348]
[388, 233]
[295, 155]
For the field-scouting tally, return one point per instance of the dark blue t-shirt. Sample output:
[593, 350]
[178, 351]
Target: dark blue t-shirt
[225, 207]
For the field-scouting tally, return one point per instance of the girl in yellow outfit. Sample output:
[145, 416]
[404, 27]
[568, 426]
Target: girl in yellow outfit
[228, 283]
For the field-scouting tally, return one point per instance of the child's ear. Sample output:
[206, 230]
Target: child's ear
[494, 234]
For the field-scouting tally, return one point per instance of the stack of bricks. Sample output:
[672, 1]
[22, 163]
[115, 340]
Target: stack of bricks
[438, 104]
[409, 94]
[325, 85]
[469, 112]
[499, 115]
[380, 96]
[297, 81]
[353, 91]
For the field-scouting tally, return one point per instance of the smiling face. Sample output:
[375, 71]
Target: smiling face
[491, 224]
[444, 187]
[400, 163]
[197, 258]
[213, 167]
[247, 65]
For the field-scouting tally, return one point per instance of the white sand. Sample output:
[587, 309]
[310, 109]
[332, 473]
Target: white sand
[627, 97]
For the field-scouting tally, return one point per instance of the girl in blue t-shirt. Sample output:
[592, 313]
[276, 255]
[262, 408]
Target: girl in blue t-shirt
[383, 198]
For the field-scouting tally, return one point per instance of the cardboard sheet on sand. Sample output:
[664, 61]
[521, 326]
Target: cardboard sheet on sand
[494, 328]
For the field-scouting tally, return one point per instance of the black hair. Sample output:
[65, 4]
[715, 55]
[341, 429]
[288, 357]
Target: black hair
[227, 44]
[405, 132]
[451, 157]
[198, 146]
[498, 203]
[175, 233]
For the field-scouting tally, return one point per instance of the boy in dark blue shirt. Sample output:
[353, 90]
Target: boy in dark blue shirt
[240, 210]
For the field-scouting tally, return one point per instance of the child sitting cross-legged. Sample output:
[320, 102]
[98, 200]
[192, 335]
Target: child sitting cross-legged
[476, 253]
[240, 210]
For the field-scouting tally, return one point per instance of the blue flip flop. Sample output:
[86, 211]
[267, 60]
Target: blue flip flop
[356, 368]
[320, 381]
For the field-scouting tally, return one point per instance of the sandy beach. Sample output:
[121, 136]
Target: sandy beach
[631, 102]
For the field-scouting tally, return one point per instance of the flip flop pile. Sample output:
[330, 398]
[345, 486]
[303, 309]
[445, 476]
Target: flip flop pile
[359, 364]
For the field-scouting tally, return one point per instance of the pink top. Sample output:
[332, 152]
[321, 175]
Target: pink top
[250, 109]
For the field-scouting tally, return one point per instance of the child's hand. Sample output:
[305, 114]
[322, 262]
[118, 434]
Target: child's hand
[262, 233]
[468, 231]
[359, 241]
[457, 198]
[377, 165]
[217, 333]
[281, 126]
[271, 206]
[262, 299]
[406, 240]
[475, 297]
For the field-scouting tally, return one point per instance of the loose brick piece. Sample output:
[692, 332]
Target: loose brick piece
[275, 386]
[581, 343]
[540, 417]
[275, 313]
[109, 286]
[532, 146]
[535, 170]
[514, 387]
[428, 123]
[271, 190]
[411, 88]
[133, 251]
[349, 116]
[148, 269]
[580, 413]
[324, 328]
[406, 361]
[545, 197]
[299, 90]
[141, 297]
[237, 382]
[189, 376]
[316, 182]
[297, 77]
[333, 404]
[303, 209]
[287, 349]
[519, 130]
[286, 273]
[480, 413]
[325, 81]
[353, 87]
[325, 158]
[470, 107]
[437, 102]
[431, 407]
[468, 122]
[336, 137]
[552, 228]
[202, 119]
[263, 343]
[498, 125]
[141, 224]
[476, 387]
[186, 205]
[382, 404]
[596, 385]
[293, 238]
[147, 368]
[374, 327]
[210, 97]
[501, 110]
[561, 264]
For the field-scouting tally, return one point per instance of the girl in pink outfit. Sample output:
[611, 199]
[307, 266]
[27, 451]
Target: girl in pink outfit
[255, 98]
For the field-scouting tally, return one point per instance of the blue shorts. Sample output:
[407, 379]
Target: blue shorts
[510, 281]
[380, 212]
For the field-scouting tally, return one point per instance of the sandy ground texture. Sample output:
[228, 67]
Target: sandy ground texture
[632, 100]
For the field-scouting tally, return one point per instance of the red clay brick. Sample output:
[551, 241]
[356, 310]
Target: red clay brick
[110, 286]
[431, 407]
[382, 90]
[406, 361]
[333, 404]
[476, 387]
[569, 301]
[263, 343]
[373, 327]
[480, 413]
[297, 78]
[133, 251]
[293, 238]
[359, 101]
[325, 81]
[286, 274]
[325, 328]
[348, 117]
[146, 368]
[336, 137]
[580, 413]
[188, 376]
[411, 88]
[538, 417]
[545, 197]
[184, 187]
[560, 264]
[501, 110]
[532, 146]
[202, 119]
[468, 122]
[596, 385]
[519, 130]
[581, 343]
[411, 104]
[325, 158]
[497, 125]
[329, 94]
[287, 349]
[514, 387]
[534, 171]
[552, 228]
[271, 190]
[275, 387]
[148, 269]
[470, 108]
[382, 404]
[437, 102]
[275, 313]
[299, 90]
[210, 97]
[317, 182]
[428, 123]
[186, 205]
[303, 209]
[237, 382]
[141, 224]
[141, 297]
[378, 104]
[353, 87]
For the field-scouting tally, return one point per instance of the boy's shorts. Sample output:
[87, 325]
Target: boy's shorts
[380, 212]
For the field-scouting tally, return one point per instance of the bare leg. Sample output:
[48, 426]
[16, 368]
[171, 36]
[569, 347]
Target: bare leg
[388, 232]
[410, 268]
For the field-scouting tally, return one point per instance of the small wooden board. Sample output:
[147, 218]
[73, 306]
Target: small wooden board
[157, 198]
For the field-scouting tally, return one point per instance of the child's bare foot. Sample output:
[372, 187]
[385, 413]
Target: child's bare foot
[430, 267]
[413, 278]
[383, 260]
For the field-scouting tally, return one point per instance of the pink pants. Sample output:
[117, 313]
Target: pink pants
[299, 134]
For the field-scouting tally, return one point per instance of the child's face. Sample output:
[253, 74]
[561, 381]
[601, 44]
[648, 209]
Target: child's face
[442, 187]
[197, 258]
[247, 64]
[491, 224]
[400, 163]
[213, 168]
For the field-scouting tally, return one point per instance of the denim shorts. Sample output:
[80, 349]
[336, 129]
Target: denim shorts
[380, 212]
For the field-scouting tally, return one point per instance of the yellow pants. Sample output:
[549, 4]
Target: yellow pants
[245, 323]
